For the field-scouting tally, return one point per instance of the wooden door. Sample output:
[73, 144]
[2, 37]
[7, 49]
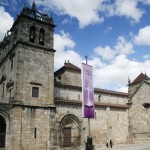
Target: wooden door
[67, 137]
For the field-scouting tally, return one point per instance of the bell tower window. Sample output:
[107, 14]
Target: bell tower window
[41, 36]
[32, 34]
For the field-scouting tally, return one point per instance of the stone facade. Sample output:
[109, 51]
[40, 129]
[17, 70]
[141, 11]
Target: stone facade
[40, 109]
[26, 67]
[111, 111]
[139, 114]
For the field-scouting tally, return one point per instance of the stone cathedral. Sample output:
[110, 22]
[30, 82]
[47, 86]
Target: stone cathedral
[42, 110]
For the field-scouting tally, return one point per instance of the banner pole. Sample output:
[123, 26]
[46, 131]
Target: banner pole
[89, 109]
[89, 126]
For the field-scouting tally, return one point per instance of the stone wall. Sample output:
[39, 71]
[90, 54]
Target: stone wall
[30, 128]
[109, 123]
[76, 94]
[140, 117]
[34, 69]
[70, 77]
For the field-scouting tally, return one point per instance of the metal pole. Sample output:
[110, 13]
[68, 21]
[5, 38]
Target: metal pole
[89, 126]
[86, 59]
[89, 109]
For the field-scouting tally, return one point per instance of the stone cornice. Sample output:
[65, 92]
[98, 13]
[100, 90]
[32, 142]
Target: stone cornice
[27, 105]
[75, 102]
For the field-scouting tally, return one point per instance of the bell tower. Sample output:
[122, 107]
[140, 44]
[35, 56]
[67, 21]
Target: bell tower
[32, 40]
[27, 80]
[34, 27]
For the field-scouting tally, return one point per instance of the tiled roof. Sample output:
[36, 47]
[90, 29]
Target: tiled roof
[110, 92]
[140, 78]
[67, 65]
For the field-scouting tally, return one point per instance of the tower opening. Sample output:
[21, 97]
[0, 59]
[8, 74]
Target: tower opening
[32, 34]
[41, 36]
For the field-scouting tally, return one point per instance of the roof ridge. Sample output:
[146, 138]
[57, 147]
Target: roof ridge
[141, 77]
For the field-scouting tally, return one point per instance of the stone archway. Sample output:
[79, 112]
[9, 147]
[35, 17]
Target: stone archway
[2, 132]
[70, 132]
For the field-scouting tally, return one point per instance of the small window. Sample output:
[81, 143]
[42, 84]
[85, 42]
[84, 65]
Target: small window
[32, 34]
[35, 92]
[41, 36]
[3, 90]
[99, 98]
[146, 105]
[78, 96]
[59, 77]
[12, 63]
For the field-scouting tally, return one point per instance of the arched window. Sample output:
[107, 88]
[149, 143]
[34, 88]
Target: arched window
[32, 34]
[41, 36]
[2, 132]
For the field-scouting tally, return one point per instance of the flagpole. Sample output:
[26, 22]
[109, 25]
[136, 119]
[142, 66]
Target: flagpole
[89, 108]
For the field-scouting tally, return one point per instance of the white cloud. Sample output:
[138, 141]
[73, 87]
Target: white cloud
[85, 11]
[105, 52]
[71, 55]
[145, 1]
[66, 21]
[89, 12]
[122, 88]
[96, 63]
[6, 22]
[143, 37]
[64, 45]
[108, 29]
[126, 8]
[122, 47]
[115, 74]
[63, 41]
[146, 56]
[111, 75]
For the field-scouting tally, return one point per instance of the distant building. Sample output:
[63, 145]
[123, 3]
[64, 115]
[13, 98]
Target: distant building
[40, 109]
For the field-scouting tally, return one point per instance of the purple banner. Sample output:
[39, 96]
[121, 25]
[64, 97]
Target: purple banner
[87, 92]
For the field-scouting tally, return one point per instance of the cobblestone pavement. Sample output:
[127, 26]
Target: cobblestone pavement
[129, 147]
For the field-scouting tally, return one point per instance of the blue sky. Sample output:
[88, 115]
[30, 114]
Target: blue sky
[114, 34]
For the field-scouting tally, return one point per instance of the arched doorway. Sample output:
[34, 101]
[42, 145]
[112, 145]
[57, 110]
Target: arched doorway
[2, 132]
[70, 131]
